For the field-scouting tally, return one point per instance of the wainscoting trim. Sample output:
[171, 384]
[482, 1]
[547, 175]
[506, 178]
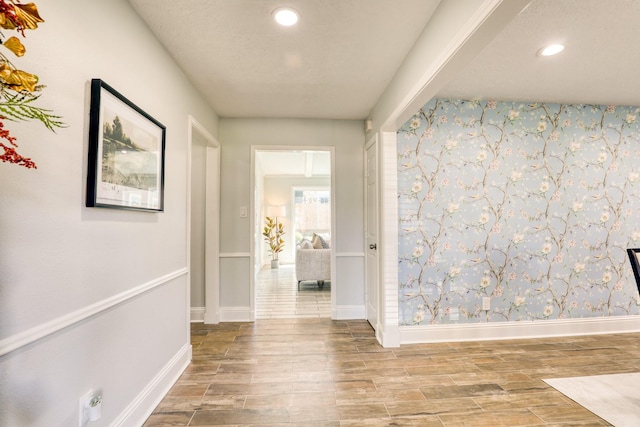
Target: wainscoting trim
[348, 312]
[518, 330]
[143, 405]
[36, 333]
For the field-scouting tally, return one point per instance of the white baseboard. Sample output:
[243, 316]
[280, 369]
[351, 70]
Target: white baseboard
[236, 314]
[388, 336]
[143, 405]
[518, 330]
[211, 318]
[197, 314]
[348, 312]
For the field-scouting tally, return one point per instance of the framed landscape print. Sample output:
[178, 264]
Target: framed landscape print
[126, 153]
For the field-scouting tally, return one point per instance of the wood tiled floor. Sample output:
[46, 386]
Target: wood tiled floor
[318, 372]
[278, 296]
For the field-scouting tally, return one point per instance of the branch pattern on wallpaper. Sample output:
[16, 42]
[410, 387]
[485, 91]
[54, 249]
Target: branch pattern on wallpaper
[532, 205]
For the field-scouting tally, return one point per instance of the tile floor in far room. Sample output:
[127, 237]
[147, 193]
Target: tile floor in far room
[278, 297]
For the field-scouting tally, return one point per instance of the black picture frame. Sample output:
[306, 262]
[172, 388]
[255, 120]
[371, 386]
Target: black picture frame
[634, 258]
[126, 153]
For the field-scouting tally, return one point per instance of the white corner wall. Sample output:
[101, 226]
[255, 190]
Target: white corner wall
[237, 136]
[456, 32]
[90, 298]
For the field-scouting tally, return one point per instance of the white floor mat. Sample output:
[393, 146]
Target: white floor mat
[615, 398]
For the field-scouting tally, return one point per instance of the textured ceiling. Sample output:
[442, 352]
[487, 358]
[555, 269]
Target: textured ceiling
[337, 62]
[598, 66]
[334, 64]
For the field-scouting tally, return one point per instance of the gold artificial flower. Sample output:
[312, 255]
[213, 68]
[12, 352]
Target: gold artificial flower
[17, 80]
[6, 22]
[26, 17]
[15, 46]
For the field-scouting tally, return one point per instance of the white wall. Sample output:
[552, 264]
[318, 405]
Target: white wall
[237, 136]
[92, 298]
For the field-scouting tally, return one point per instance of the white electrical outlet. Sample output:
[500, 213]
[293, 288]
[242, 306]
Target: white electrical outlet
[89, 408]
[83, 408]
[486, 303]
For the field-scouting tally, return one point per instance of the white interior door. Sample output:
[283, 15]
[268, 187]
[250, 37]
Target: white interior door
[371, 241]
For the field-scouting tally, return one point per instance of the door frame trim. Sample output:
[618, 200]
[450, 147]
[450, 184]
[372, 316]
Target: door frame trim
[212, 228]
[252, 223]
[389, 333]
[372, 142]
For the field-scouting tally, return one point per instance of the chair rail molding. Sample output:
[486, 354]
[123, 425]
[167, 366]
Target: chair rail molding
[41, 331]
[235, 255]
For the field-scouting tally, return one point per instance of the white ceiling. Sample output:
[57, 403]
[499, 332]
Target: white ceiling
[334, 64]
[599, 65]
[338, 60]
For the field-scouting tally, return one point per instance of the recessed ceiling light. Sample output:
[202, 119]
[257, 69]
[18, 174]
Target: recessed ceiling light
[551, 50]
[286, 16]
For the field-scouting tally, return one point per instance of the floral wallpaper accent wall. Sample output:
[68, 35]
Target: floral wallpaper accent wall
[532, 205]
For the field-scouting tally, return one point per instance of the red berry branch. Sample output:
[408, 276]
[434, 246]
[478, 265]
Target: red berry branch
[10, 154]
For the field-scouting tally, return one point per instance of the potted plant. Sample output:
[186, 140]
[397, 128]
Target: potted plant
[273, 232]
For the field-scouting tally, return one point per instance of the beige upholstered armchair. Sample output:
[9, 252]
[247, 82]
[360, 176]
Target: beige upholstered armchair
[313, 264]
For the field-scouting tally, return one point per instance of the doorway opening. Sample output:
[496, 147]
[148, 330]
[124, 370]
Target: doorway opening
[292, 187]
